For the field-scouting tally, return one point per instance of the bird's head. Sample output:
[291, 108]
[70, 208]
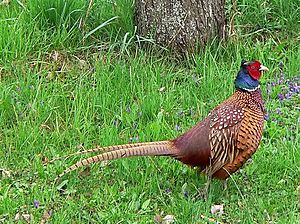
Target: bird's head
[249, 74]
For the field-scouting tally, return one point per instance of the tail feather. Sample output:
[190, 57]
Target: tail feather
[162, 148]
[107, 149]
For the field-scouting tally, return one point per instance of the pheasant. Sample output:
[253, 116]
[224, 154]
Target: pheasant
[218, 145]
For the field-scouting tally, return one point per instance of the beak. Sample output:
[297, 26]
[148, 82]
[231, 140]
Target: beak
[263, 68]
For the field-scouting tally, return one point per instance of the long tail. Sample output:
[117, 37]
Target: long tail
[161, 148]
[105, 149]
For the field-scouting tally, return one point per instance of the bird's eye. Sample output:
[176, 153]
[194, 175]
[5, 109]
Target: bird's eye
[252, 67]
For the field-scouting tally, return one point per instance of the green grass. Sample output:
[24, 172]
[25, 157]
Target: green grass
[59, 93]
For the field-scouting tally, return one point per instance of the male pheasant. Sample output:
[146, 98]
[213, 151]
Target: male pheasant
[220, 144]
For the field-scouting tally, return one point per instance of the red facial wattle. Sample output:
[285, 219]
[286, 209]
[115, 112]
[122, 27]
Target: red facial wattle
[253, 70]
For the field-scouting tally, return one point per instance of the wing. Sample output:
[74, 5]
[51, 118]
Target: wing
[225, 122]
[247, 141]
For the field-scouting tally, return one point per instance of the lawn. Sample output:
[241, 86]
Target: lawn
[65, 87]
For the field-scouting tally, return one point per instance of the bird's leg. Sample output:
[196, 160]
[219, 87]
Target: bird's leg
[207, 185]
[225, 184]
[225, 187]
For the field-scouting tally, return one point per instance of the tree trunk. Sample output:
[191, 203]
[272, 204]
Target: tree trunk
[181, 25]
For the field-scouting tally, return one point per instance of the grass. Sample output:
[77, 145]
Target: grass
[59, 94]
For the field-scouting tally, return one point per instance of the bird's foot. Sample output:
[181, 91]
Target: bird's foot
[203, 193]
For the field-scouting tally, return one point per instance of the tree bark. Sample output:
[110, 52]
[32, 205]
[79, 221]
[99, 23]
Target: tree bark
[181, 25]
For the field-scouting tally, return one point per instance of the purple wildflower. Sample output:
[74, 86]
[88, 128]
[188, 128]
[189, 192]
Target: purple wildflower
[128, 109]
[274, 83]
[186, 194]
[115, 123]
[139, 114]
[278, 111]
[134, 125]
[18, 89]
[293, 88]
[279, 81]
[177, 127]
[36, 204]
[280, 96]
[266, 117]
[288, 95]
[180, 112]
[168, 190]
[281, 65]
